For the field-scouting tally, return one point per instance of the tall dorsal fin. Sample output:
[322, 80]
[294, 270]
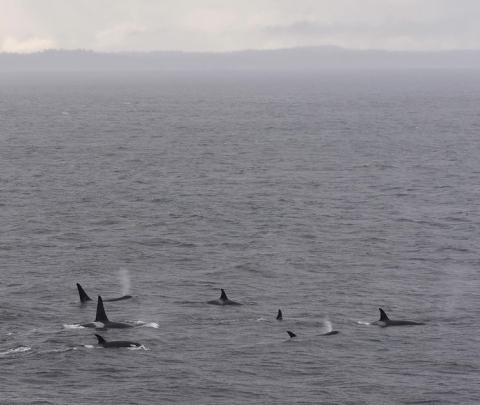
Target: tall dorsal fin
[101, 315]
[291, 334]
[101, 340]
[224, 295]
[279, 315]
[83, 295]
[383, 315]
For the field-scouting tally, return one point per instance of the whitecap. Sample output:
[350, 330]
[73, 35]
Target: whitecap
[89, 346]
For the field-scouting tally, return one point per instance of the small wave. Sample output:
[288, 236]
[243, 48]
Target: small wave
[154, 242]
[61, 350]
[16, 350]
[89, 346]
[147, 324]
[73, 326]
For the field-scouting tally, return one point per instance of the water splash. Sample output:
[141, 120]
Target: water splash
[363, 323]
[124, 276]
[147, 324]
[141, 347]
[73, 326]
[16, 350]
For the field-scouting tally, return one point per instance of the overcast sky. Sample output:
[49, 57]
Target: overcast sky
[228, 25]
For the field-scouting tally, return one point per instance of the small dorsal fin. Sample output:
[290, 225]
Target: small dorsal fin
[279, 315]
[291, 334]
[383, 315]
[101, 315]
[100, 339]
[224, 295]
[83, 295]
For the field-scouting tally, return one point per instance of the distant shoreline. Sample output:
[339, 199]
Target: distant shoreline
[311, 59]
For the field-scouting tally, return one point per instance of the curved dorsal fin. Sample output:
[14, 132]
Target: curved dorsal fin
[101, 315]
[291, 334]
[224, 295]
[279, 315]
[100, 339]
[383, 315]
[83, 295]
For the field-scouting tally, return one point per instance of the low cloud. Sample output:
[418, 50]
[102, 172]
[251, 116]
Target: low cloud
[25, 45]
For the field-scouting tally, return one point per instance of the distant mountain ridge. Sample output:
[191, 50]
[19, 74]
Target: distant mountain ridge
[314, 58]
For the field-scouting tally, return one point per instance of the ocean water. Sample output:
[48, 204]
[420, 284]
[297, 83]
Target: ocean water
[327, 195]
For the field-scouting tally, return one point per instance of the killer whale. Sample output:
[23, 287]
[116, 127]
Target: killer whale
[83, 295]
[102, 321]
[385, 321]
[116, 343]
[333, 332]
[223, 300]
[85, 298]
[279, 315]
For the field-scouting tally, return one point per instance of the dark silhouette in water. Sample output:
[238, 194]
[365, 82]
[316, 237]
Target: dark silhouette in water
[385, 321]
[223, 300]
[333, 332]
[84, 296]
[116, 343]
[102, 321]
[279, 315]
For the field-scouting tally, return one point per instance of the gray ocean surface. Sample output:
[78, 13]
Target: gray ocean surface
[327, 195]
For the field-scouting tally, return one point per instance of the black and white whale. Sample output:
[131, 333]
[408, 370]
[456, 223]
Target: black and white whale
[84, 296]
[223, 300]
[385, 321]
[116, 343]
[291, 334]
[102, 321]
[279, 315]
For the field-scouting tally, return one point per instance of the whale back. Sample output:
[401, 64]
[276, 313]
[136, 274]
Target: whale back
[101, 340]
